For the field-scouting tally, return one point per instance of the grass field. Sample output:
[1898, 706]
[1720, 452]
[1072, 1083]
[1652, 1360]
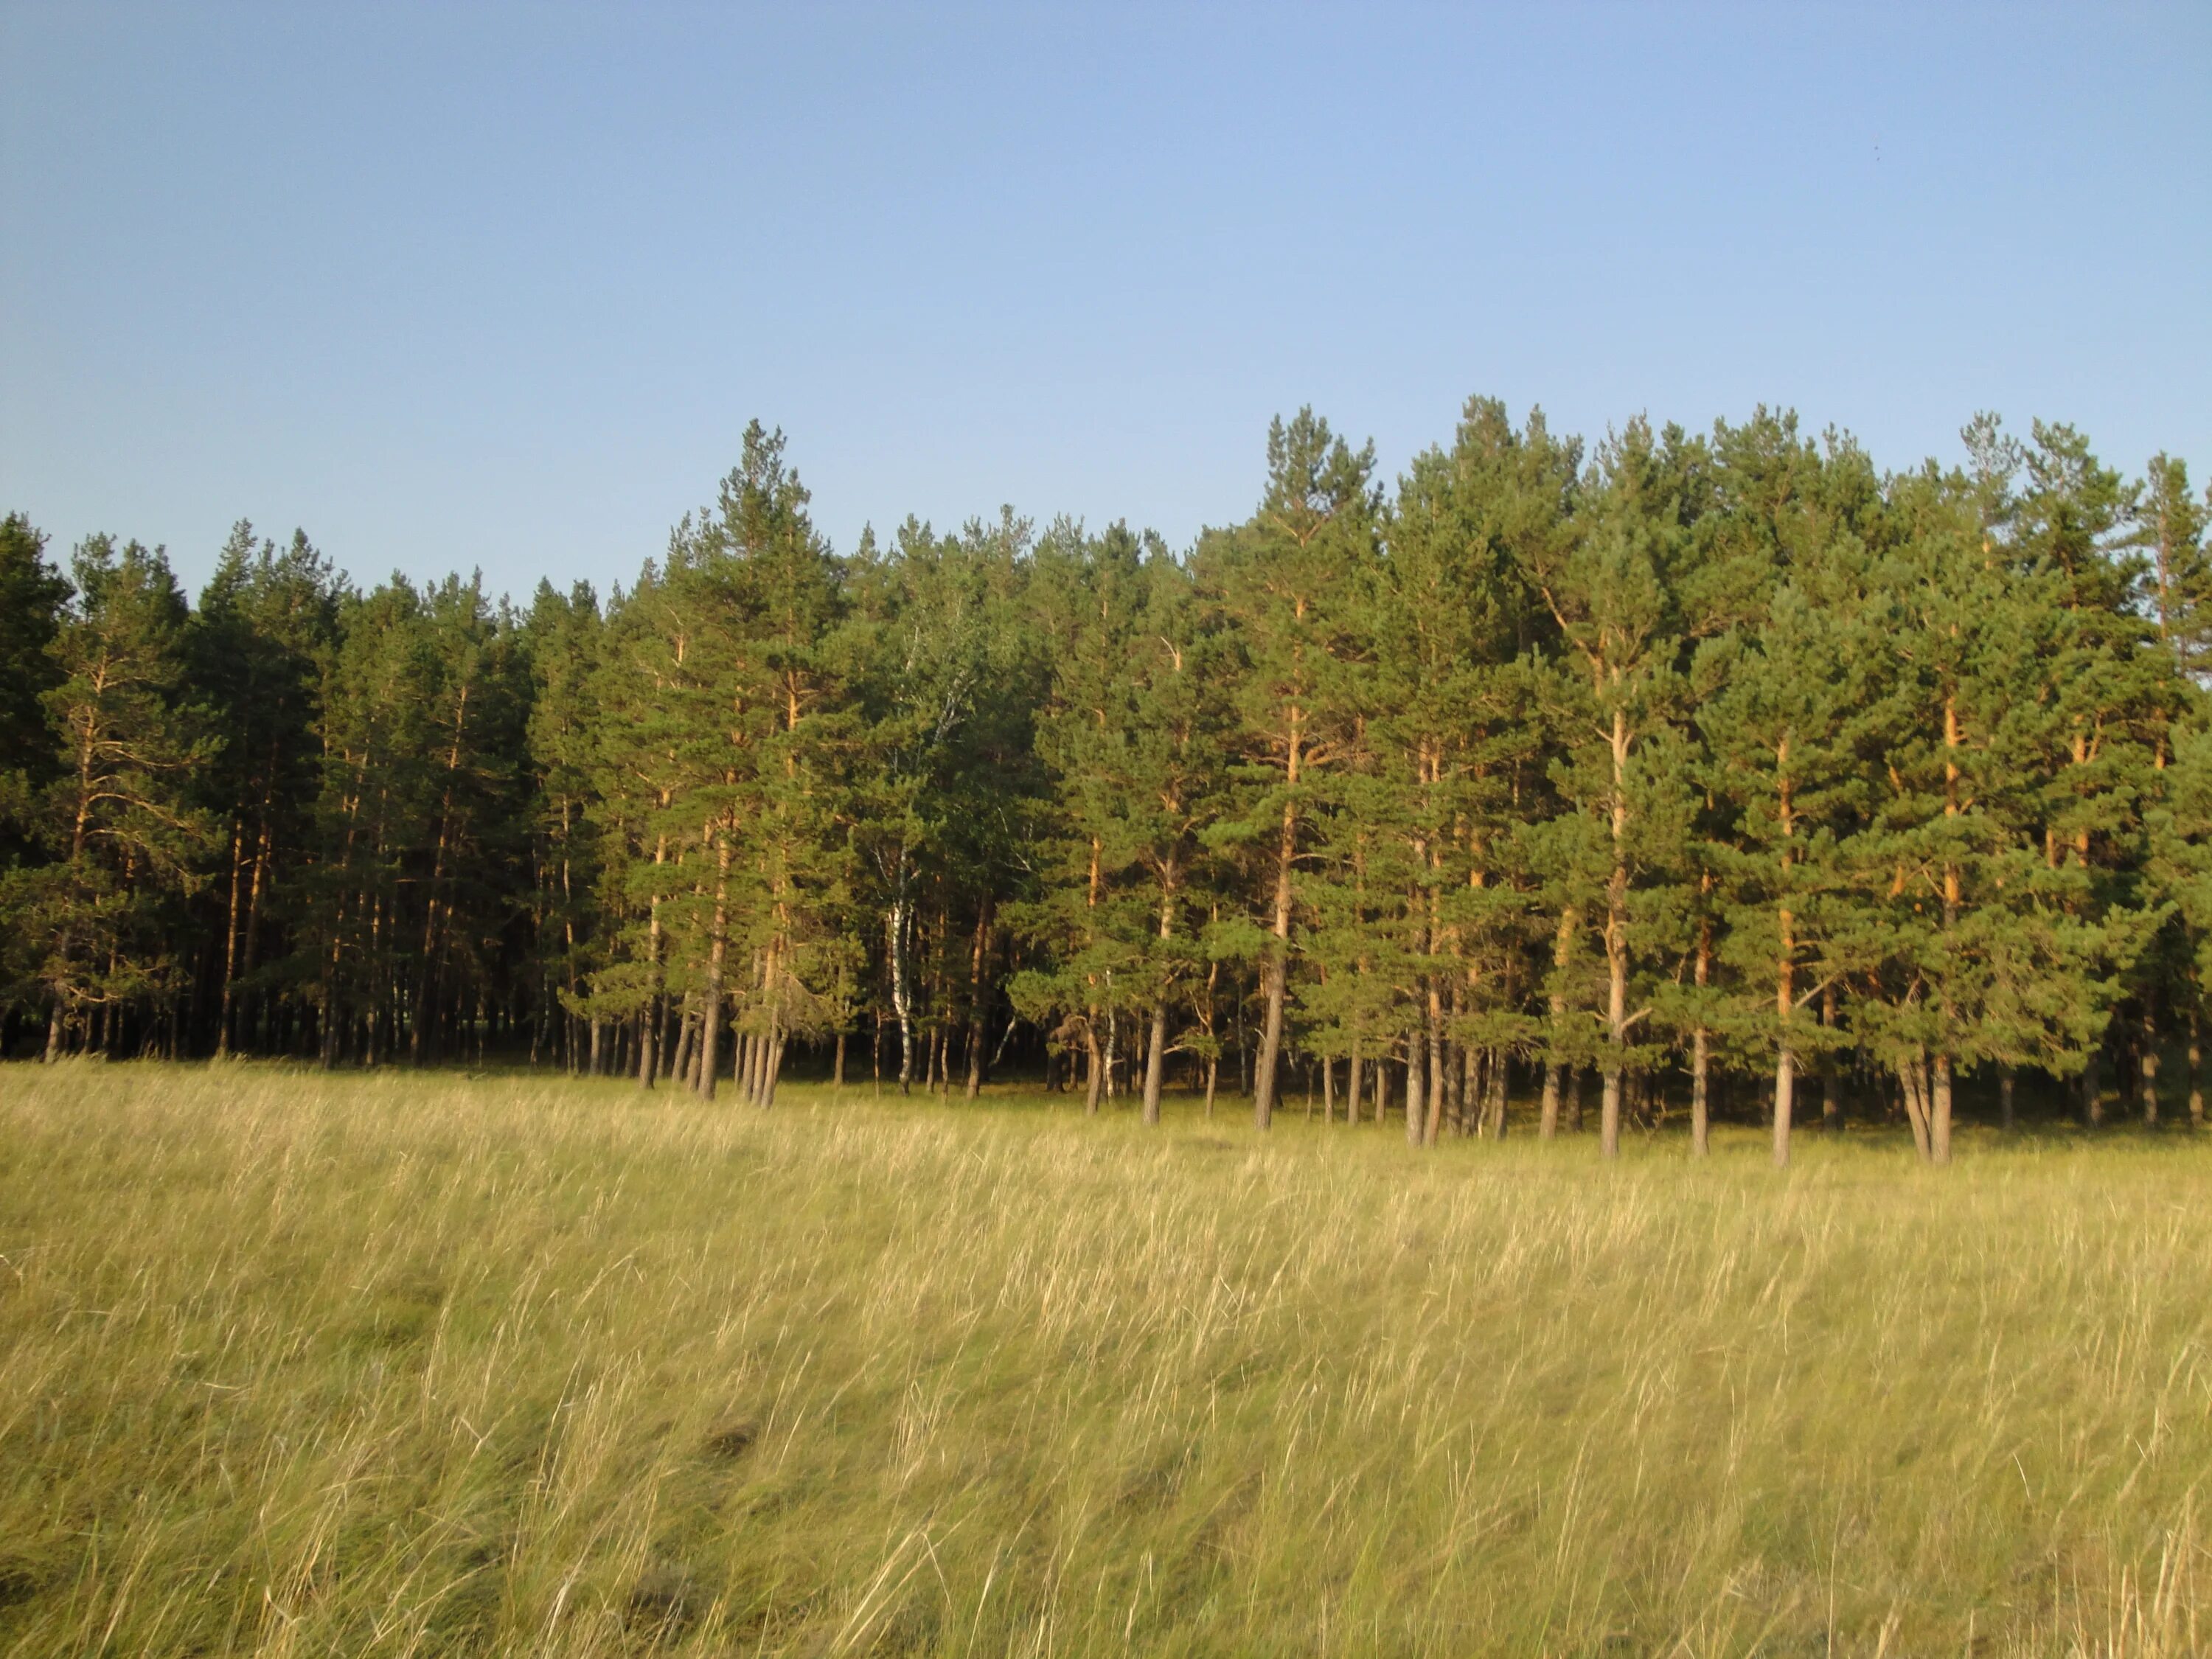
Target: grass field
[407, 1365]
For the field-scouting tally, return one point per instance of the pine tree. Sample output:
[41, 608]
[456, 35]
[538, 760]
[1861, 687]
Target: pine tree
[2171, 525]
[32, 595]
[1456, 748]
[126, 839]
[1616, 683]
[1288, 582]
[261, 642]
[1781, 742]
[562, 637]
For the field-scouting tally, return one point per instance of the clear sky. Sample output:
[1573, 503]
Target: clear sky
[475, 285]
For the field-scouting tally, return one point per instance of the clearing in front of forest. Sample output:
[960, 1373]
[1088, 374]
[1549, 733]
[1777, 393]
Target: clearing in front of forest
[407, 1364]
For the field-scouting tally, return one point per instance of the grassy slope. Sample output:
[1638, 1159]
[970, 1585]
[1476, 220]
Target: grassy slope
[402, 1365]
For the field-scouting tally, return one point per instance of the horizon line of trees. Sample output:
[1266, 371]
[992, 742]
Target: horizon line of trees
[1714, 769]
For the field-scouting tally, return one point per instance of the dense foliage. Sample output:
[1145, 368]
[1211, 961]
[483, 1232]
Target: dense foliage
[1719, 769]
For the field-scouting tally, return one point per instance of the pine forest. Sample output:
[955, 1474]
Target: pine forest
[1602, 788]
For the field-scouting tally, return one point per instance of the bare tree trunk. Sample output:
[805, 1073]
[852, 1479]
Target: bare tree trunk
[895, 925]
[837, 1072]
[1414, 1114]
[1351, 1088]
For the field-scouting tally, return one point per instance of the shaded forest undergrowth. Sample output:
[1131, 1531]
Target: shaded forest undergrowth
[423, 1362]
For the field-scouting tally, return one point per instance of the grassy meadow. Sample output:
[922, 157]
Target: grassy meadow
[405, 1364]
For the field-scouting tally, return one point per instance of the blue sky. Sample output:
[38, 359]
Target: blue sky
[500, 286]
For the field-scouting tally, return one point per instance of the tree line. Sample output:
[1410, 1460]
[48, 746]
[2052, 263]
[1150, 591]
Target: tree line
[1713, 770]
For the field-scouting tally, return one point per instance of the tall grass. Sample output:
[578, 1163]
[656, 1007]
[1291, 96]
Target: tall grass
[408, 1365]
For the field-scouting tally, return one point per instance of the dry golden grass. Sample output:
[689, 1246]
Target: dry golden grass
[402, 1365]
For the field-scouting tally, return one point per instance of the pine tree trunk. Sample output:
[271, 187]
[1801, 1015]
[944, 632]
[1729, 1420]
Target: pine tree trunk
[1495, 1078]
[230, 940]
[1785, 1095]
[1353, 1083]
[1435, 1068]
[1156, 1052]
[1327, 1093]
[1095, 1070]
[687, 1045]
[649, 1016]
[772, 1068]
[837, 1072]
[1939, 1111]
[1608, 1122]
[1213, 1076]
[2149, 1072]
[1832, 1098]
[1436, 1085]
[2093, 1092]
[1701, 1077]
[1562, 940]
[2004, 1098]
[1276, 982]
[1912, 1079]
[1616, 947]
[647, 1046]
[2196, 1087]
[1574, 1100]
[250, 951]
[979, 1010]
[1616, 1013]
[1415, 1115]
